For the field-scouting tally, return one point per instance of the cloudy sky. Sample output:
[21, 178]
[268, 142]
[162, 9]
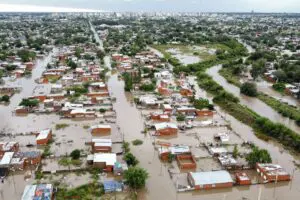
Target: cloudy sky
[166, 5]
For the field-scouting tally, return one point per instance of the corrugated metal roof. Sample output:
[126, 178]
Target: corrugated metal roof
[212, 177]
[7, 158]
[108, 158]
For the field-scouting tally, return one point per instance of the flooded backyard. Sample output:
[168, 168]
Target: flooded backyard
[130, 124]
[160, 184]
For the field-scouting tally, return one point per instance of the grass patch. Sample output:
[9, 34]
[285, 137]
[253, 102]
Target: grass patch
[86, 126]
[65, 161]
[232, 79]
[137, 142]
[189, 50]
[88, 191]
[61, 126]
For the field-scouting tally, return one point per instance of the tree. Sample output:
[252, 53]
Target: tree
[75, 154]
[280, 87]
[201, 103]
[249, 89]
[136, 177]
[235, 152]
[128, 82]
[100, 54]
[258, 156]
[147, 87]
[126, 147]
[29, 102]
[258, 68]
[280, 75]
[180, 118]
[5, 98]
[130, 159]
[71, 64]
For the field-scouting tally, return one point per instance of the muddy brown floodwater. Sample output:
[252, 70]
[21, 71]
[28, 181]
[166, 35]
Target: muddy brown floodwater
[253, 103]
[160, 186]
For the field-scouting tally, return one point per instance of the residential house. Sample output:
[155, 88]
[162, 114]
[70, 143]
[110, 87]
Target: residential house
[44, 137]
[101, 145]
[166, 129]
[100, 129]
[272, 172]
[105, 161]
[210, 180]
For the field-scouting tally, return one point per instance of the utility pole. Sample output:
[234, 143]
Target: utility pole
[259, 193]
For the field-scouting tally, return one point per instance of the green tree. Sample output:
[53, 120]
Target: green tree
[29, 102]
[71, 64]
[128, 82]
[249, 89]
[126, 147]
[280, 87]
[147, 87]
[258, 156]
[5, 98]
[130, 159]
[201, 103]
[136, 177]
[75, 154]
[258, 68]
[235, 152]
[180, 117]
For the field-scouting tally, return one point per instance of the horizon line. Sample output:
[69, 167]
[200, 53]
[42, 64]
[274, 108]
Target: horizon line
[26, 8]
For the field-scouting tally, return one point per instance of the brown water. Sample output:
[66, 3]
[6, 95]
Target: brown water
[8, 121]
[160, 186]
[266, 87]
[253, 103]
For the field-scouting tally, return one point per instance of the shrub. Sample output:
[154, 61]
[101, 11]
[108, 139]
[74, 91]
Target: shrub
[137, 142]
[180, 118]
[136, 177]
[147, 87]
[126, 147]
[29, 102]
[258, 156]
[75, 154]
[5, 98]
[280, 87]
[249, 89]
[61, 126]
[130, 159]
[102, 110]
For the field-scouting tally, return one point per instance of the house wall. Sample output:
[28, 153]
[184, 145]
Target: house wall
[207, 186]
[22, 111]
[167, 131]
[185, 92]
[101, 149]
[102, 94]
[204, 113]
[101, 131]
[44, 141]
[242, 182]
[186, 165]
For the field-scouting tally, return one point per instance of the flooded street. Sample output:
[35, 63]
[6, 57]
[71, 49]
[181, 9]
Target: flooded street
[131, 124]
[11, 123]
[253, 103]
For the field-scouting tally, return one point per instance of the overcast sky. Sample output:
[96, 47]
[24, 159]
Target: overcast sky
[169, 5]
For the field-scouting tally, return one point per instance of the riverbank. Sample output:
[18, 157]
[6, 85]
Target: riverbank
[284, 109]
[263, 127]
